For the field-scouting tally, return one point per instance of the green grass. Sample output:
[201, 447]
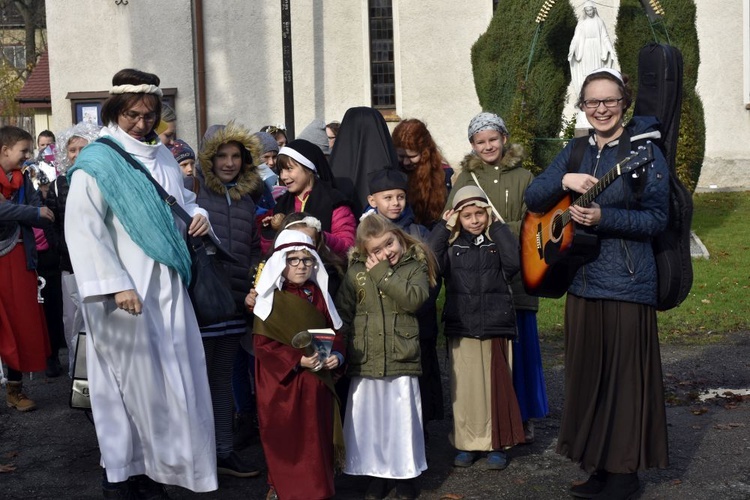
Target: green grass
[719, 300]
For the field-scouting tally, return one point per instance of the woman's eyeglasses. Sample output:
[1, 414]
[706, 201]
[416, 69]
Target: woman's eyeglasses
[608, 103]
[134, 117]
[296, 261]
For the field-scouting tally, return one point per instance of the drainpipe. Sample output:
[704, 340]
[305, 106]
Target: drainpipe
[286, 57]
[200, 67]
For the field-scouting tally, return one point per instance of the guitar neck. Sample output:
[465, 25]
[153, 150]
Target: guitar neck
[586, 198]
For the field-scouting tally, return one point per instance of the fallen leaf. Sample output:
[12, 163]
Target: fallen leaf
[736, 424]
[706, 301]
[675, 482]
[451, 496]
[7, 468]
[699, 411]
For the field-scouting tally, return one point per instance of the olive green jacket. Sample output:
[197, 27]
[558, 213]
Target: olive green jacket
[378, 311]
[505, 185]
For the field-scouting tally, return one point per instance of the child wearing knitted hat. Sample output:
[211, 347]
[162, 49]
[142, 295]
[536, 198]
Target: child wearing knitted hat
[388, 198]
[184, 155]
[477, 257]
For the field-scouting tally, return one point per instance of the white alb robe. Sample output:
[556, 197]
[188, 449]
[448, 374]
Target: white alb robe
[147, 374]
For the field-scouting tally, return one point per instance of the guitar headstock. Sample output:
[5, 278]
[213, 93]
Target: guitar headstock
[638, 159]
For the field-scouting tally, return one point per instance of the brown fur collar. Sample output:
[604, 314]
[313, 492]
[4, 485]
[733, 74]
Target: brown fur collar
[511, 159]
[248, 180]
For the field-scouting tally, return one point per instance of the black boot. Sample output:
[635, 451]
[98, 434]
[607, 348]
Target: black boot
[620, 487]
[592, 487]
[121, 491]
[377, 490]
[406, 489]
[148, 489]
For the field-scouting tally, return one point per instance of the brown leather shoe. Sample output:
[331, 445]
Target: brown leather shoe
[15, 398]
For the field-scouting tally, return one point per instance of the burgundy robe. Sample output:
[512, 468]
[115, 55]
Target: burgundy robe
[295, 407]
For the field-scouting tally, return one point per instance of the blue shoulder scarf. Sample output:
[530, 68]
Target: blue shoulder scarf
[132, 198]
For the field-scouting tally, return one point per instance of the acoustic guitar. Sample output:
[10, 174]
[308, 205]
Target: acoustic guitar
[553, 248]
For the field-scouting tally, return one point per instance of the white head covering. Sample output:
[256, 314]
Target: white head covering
[84, 130]
[271, 279]
[611, 71]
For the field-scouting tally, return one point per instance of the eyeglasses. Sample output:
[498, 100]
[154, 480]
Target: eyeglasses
[296, 261]
[134, 117]
[608, 103]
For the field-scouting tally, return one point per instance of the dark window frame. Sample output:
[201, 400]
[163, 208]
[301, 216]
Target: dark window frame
[382, 60]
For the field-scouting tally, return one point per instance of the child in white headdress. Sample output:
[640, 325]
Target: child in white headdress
[298, 415]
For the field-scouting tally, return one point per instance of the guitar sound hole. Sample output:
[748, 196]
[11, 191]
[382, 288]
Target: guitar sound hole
[556, 229]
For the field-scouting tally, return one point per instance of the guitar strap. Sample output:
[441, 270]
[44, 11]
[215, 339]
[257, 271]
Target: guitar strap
[489, 200]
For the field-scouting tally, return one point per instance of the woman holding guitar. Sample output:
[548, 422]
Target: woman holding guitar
[614, 421]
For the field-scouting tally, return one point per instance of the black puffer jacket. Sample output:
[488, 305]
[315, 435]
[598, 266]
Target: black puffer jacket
[231, 208]
[56, 200]
[478, 300]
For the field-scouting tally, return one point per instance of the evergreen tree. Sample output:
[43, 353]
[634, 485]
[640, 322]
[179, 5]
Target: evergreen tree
[633, 32]
[532, 107]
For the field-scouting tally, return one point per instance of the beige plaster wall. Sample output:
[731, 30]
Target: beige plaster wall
[723, 31]
[90, 40]
[435, 82]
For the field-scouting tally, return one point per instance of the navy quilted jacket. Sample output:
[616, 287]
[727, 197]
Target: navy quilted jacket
[625, 269]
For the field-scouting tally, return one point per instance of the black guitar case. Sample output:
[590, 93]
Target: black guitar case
[660, 69]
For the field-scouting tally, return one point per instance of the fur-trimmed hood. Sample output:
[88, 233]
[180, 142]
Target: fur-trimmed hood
[248, 181]
[511, 159]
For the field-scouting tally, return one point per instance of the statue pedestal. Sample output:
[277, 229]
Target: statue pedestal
[582, 125]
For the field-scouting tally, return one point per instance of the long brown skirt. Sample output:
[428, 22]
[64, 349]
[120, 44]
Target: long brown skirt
[614, 416]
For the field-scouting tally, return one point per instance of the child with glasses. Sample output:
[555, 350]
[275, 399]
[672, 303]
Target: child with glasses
[300, 426]
[389, 277]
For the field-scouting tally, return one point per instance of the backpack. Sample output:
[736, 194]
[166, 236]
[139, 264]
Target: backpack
[660, 94]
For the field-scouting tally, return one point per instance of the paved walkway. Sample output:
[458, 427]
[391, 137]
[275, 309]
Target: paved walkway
[55, 455]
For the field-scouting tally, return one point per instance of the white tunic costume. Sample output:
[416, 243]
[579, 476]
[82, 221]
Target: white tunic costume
[147, 373]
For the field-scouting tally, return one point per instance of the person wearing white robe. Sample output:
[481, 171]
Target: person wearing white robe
[147, 375]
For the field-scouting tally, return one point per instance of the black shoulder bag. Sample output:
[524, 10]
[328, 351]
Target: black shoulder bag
[209, 291]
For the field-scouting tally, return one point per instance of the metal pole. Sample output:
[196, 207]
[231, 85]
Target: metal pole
[286, 56]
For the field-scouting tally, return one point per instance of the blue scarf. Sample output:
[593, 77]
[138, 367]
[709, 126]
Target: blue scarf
[132, 198]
